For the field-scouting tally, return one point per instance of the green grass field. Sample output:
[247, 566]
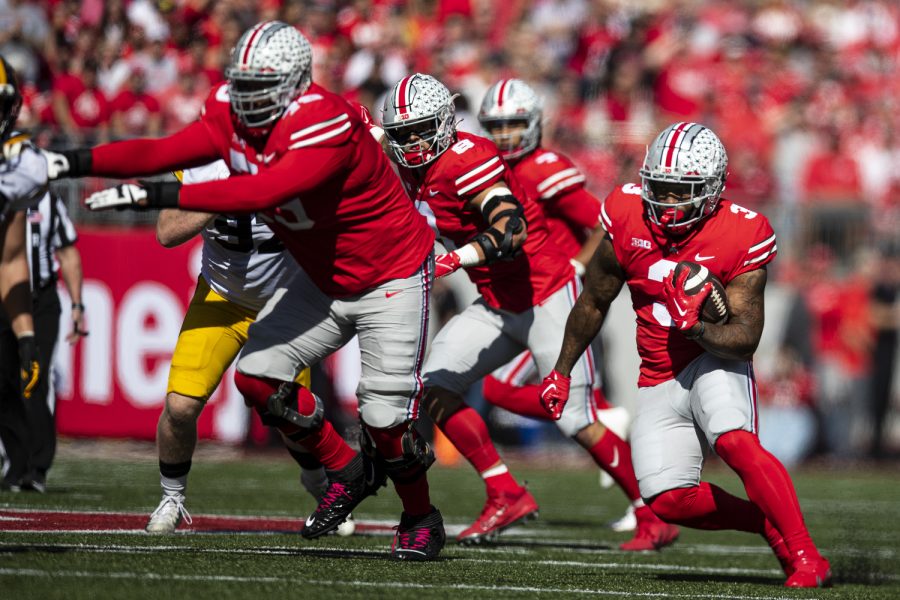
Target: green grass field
[854, 516]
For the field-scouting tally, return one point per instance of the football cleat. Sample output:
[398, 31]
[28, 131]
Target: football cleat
[627, 522]
[500, 512]
[652, 532]
[809, 572]
[346, 489]
[168, 515]
[35, 483]
[419, 538]
[316, 483]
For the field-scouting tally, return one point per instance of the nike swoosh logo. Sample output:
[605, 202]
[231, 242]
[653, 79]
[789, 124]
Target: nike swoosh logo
[680, 312]
[615, 461]
[310, 520]
[392, 294]
[552, 386]
[698, 257]
[433, 193]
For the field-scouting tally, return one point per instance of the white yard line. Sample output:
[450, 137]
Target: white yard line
[369, 584]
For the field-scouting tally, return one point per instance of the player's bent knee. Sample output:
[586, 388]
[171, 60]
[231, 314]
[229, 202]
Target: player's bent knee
[255, 391]
[381, 416]
[405, 464]
[441, 404]
[183, 410]
[670, 505]
[738, 448]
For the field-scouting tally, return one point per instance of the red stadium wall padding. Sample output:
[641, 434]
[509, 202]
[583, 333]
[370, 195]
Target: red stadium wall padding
[113, 383]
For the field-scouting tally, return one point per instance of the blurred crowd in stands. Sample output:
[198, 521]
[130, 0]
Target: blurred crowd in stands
[805, 94]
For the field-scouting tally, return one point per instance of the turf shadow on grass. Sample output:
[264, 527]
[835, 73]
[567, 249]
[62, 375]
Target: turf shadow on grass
[528, 543]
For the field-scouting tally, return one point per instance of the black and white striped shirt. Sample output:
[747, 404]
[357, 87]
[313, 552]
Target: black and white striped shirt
[48, 229]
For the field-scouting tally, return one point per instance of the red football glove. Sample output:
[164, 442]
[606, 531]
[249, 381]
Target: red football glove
[555, 394]
[444, 264]
[684, 308]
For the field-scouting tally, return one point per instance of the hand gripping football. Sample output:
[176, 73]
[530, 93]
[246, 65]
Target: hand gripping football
[715, 308]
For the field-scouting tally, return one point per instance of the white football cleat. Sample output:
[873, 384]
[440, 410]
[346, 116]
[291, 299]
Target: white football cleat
[168, 515]
[627, 522]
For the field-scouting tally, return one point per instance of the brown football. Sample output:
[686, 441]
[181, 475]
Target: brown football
[715, 308]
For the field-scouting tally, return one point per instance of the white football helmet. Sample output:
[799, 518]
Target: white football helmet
[419, 105]
[270, 66]
[685, 159]
[511, 101]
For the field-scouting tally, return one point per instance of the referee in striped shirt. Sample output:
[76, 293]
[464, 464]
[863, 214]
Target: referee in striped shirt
[51, 239]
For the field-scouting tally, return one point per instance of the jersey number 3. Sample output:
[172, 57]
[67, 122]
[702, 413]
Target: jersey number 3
[657, 272]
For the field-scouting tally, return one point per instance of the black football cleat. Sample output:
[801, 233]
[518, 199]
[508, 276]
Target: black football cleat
[419, 538]
[346, 489]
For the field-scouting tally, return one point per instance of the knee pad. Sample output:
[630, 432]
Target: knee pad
[415, 459]
[284, 405]
[441, 404]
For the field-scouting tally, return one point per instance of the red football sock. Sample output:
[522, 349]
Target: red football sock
[414, 494]
[329, 447]
[707, 506]
[523, 400]
[467, 431]
[768, 486]
[613, 454]
[710, 507]
[324, 443]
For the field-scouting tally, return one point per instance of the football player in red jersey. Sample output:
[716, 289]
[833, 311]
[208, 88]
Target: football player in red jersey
[511, 115]
[302, 157]
[697, 389]
[480, 212]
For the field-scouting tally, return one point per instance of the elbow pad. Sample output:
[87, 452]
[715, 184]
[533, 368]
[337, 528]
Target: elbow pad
[497, 245]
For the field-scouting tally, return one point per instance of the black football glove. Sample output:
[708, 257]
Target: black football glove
[68, 163]
[142, 195]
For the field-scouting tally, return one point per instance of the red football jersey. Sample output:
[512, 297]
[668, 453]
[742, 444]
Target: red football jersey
[320, 182]
[466, 169]
[730, 242]
[558, 186]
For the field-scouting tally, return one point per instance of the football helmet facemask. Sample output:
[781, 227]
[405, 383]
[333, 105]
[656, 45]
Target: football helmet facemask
[685, 161]
[10, 99]
[270, 66]
[419, 120]
[512, 101]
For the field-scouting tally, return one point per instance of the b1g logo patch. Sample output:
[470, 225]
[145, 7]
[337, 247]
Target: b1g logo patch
[639, 243]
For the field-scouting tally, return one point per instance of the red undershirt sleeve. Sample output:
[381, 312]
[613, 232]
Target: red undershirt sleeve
[298, 172]
[190, 147]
